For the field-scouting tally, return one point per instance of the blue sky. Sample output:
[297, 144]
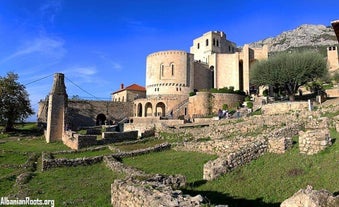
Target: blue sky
[99, 44]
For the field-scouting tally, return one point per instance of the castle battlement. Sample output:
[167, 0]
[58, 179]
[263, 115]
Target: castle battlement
[168, 52]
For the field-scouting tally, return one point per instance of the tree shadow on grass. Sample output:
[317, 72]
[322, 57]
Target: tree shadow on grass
[217, 198]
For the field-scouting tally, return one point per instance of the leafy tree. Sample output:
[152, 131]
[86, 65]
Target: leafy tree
[289, 71]
[14, 101]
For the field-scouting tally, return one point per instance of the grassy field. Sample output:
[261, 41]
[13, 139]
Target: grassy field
[264, 182]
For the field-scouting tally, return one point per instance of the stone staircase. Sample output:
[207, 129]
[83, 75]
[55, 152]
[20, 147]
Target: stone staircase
[174, 112]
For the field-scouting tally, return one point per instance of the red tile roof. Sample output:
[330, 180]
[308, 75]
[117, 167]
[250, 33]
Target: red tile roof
[133, 87]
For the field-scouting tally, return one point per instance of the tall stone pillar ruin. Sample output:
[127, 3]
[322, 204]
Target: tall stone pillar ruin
[57, 106]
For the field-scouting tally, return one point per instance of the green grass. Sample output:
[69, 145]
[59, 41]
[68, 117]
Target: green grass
[273, 178]
[139, 145]
[32, 145]
[74, 186]
[105, 151]
[171, 162]
[265, 182]
[13, 158]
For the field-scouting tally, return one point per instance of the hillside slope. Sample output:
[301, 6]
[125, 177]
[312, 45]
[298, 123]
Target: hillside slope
[306, 35]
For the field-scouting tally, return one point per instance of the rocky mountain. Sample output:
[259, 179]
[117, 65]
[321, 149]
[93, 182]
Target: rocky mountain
[306, 35]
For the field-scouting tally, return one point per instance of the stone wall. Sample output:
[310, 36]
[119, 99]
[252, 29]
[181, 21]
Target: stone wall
[146, 124]
[334, 92]
[232, 100]
[240, 150]
[157, 148]
[63, 162]
[83, 113]
[49, 162]
[150, 192]
[316, 136]
[280, 140]
[225, 163]
[141, 189]
[205, 103]
[78, 141]
[284, 107]
[112, 137]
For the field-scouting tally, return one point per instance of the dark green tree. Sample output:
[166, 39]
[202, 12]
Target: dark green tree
[289, 71]
[14, 102]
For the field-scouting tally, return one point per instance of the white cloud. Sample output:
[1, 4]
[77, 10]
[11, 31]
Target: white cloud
[53, 47]
[81, 74]
[114, 64]
[49, 10]
[139, 26]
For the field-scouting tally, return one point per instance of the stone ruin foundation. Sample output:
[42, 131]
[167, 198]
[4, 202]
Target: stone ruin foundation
[141, 189]
[316, 136]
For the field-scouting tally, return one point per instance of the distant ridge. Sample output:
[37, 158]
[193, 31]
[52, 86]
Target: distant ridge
[306, 35]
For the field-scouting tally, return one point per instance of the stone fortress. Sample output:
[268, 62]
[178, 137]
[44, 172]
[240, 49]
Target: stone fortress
[213, 62]
[253, 137]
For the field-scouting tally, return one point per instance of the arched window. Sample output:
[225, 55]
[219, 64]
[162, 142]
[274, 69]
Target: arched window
[206, 42]
[217, 43]
[198, 45]
[172, 69]
[213, 42]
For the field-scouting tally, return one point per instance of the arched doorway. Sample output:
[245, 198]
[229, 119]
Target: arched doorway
[160, 109]
[148, 109]
[101, 118]
[139, 110]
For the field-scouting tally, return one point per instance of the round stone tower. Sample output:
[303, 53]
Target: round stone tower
[169, 73]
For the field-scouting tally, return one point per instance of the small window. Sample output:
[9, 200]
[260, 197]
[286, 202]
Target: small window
[162, 70]
[213, 42]
[206, 42]
[229, 48]
[172, 69]
[217, 43]
[198, 45]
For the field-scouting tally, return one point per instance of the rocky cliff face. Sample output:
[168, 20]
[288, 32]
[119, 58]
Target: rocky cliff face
[306, 35]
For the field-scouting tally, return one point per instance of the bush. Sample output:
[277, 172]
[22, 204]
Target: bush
[227, 90]
[265, 93]
[249, 104]
[193, 93]
[247, 98]
[224, 107]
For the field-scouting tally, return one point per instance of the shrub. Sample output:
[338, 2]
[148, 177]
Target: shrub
[193, 93]
[249, 104]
